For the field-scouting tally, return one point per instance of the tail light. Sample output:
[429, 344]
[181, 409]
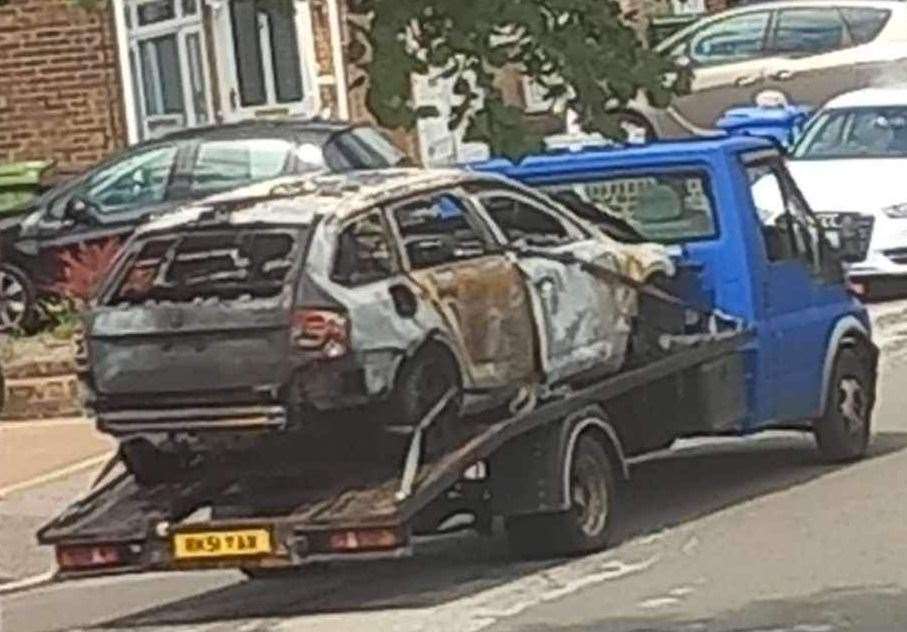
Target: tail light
[360, 540]
[322, 330]
[86, 557]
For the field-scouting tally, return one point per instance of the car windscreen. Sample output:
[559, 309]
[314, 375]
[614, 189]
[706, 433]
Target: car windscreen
[670, 207]
[234, 266]
[865, 132]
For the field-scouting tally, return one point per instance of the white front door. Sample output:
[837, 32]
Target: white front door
[169, 65]
[266, 59]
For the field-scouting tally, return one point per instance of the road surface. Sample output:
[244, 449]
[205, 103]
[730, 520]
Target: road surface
[722, 535]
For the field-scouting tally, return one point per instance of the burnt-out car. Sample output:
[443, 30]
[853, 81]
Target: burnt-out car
[263, 310]
[59, 242]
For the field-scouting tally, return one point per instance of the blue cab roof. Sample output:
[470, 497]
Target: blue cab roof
[551, 164]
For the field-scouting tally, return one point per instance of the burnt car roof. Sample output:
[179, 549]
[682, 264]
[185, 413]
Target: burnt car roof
[298, 199]
[289, 124]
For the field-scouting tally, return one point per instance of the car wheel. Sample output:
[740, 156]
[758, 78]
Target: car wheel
[422, 382]
[586, 526]
[842, 433]
[636, 129]
[17, 300]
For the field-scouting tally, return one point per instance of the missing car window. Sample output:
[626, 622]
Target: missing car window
[209, 265]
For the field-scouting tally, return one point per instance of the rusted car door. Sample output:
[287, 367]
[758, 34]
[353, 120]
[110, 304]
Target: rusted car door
[583, 325]
[476, 288]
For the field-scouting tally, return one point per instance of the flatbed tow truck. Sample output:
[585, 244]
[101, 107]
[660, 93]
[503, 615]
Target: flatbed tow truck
[799, 356]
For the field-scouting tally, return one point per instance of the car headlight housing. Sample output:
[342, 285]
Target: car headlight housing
[898, 211]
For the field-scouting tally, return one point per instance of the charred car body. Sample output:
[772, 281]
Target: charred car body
[274, 305]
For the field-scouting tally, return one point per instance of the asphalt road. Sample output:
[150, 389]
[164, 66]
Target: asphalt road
[753, 535]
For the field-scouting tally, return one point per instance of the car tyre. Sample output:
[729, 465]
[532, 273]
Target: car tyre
[842, 433]
[636, 128]
[422, 382]
[18, 302]
[586, 526]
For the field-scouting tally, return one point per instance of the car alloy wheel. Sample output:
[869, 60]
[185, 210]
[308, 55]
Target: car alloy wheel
[13, 301]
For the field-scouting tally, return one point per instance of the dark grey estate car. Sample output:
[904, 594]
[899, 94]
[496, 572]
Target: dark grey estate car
[103, 206]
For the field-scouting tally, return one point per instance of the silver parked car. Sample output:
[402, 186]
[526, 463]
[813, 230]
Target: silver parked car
[809, 50]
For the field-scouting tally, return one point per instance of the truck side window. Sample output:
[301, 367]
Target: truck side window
[363, 252]
[789, 229]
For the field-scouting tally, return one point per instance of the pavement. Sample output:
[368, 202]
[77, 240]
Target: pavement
[749, 535]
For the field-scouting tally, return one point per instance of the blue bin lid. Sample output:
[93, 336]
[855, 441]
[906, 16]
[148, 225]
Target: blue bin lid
[746, 117]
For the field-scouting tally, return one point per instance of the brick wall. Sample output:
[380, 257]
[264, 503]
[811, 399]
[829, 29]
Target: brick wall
[59, 88]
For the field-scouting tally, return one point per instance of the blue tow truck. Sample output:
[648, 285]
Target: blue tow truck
[756, 331]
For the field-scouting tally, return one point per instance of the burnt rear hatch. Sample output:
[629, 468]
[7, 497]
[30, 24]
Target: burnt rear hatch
[194, 327]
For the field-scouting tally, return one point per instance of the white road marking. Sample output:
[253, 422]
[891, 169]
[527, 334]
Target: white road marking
[95, 461]
[659, 602]
[25, 584]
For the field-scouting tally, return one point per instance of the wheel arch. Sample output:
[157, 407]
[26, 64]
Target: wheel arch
[593, 422]
[848, 331]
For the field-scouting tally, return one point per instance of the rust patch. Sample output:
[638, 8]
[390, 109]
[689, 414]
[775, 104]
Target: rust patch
[486, 305]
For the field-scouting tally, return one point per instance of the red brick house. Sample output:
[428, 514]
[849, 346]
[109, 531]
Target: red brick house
[77, 84]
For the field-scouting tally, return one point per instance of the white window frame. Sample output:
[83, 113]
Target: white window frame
[229, 81]
[129, 39]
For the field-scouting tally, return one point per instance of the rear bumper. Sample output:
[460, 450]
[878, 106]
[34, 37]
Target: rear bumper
[229, 418]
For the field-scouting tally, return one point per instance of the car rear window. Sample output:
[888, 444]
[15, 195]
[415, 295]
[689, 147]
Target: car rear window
[666, 207]
[219, 265]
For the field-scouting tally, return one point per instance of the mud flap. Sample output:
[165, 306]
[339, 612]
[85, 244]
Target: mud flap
[527, 476]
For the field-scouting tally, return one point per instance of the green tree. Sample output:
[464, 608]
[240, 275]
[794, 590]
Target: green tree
[582, 53]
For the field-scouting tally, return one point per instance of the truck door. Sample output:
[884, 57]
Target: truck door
[801, 291]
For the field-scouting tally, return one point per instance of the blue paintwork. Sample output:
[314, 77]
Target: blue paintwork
[792, 311]
[783, 124]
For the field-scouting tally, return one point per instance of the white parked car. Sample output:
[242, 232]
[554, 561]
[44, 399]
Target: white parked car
[851, 165]
[809, 50]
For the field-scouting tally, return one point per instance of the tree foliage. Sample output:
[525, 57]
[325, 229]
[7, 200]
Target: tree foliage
[582, 53]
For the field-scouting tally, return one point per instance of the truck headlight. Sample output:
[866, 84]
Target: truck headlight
[898, 211]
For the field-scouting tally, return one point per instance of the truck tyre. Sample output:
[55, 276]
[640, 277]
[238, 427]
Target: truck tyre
[586, 526]
[842, 433]
[18, 300]
[422, 382]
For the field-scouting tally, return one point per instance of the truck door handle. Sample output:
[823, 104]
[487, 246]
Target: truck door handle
[746, 80]
[782, 75]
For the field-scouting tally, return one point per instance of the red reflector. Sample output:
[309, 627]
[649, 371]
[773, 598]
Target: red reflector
[366, 540]
[324, 330]
[86, 557]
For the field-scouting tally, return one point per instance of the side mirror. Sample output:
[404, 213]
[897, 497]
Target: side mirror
[405, 302]
[851, 244]
[80, 209]
[683, 61]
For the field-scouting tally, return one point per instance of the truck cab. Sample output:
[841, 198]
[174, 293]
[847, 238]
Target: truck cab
[739, 227]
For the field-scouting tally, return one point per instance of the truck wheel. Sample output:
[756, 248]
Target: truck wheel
[422, 382]
[17, 300]
[842, 433]
[586, 526]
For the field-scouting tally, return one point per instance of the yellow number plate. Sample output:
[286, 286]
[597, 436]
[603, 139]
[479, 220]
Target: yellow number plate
[214, 544]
